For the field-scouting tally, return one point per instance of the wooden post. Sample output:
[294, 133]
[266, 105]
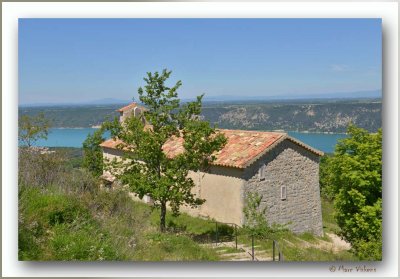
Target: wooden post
[216, 233]
[273, 250]
[236, 236]
[252, 246]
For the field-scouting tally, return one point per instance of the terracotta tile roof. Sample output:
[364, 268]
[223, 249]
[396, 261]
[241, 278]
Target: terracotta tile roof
[242, 147]
[111, 143]
[130, 106]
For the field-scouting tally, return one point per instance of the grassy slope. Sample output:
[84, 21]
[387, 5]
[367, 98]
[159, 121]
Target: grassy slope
[294, 246]
[104, 226]
[110, 226]
[328, 220]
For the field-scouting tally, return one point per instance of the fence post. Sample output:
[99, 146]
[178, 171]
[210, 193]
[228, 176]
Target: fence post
[252, 247]
[236, 236]
[273, 250]
[216, 233]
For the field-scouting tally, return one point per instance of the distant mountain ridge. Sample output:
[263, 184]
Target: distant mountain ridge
[313, 116]
[225, 98]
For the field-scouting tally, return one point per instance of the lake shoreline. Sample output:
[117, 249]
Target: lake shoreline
[74, 137]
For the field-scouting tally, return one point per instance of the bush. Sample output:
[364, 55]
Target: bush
[44, 169]
[39, 168]
[256, 222]
[55, 226]
[63, 216]
[353, 177]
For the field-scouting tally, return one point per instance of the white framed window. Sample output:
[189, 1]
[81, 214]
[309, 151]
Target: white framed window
[261, 172]
[283, 192]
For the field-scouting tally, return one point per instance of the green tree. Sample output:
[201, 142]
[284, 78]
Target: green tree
[147, 168]
[354, 180]
[255, 220]
[92, 152]
[32, 128]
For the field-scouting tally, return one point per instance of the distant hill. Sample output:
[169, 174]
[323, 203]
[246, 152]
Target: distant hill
[319, 115]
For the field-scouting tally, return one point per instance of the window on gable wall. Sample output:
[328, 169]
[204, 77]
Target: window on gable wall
[283, 193]
[261, 172]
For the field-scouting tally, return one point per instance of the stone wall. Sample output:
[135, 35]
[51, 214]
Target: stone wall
[298, 169]
[111, 153]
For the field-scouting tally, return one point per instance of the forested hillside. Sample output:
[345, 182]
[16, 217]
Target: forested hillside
[312, 116]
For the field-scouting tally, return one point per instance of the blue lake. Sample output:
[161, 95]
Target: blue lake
[67, 137]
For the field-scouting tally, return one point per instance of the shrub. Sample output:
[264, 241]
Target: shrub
[256, 222]
[55, 226]
[43, 169]
[354, 178]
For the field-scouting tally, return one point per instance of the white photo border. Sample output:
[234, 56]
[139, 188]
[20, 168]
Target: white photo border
[11, 12]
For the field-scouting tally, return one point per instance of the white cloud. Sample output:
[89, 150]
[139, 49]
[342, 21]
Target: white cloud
[339, 68]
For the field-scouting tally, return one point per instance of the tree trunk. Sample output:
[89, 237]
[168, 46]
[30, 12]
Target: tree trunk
[162, 216]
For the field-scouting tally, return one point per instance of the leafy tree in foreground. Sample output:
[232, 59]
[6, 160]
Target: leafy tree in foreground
[32, 128]
[355, 180]
[92, 153]
[147, 169]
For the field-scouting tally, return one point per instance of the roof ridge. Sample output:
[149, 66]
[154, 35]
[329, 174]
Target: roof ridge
[306, 146]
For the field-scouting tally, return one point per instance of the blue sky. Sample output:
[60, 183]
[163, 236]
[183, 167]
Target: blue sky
[78, 60]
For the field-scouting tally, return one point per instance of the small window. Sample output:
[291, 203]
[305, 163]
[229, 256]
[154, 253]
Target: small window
[283, 193]
[261, 172]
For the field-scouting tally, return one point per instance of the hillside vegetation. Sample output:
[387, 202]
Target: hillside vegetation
[63, 215]
[313, 116]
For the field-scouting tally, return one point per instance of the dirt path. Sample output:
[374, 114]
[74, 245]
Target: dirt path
[335, 245]
[338, 243]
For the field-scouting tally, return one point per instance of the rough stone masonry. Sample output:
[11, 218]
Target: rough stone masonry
[291, 166]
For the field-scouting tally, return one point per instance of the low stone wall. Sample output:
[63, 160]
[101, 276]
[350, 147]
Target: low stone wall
[297, 169]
